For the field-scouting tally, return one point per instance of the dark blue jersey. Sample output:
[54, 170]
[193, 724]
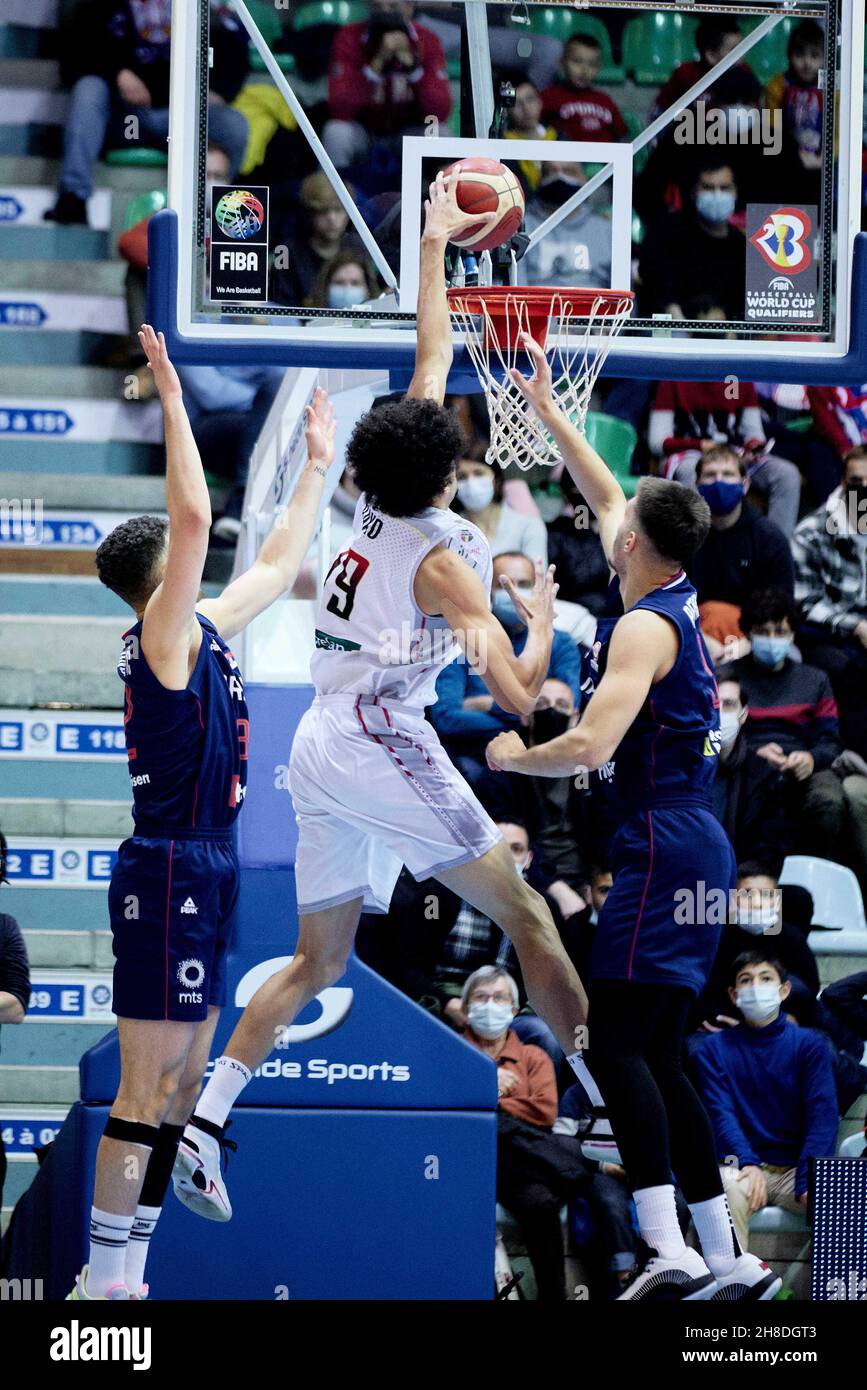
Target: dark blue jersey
[187, 749]
[672, 746]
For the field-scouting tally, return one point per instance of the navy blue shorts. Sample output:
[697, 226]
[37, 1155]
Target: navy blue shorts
[170, 902]
[673, 868]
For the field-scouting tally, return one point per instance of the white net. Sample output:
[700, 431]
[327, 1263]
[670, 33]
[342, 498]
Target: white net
[579, 340]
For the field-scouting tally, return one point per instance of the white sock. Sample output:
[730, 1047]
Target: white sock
[228, 1080]
[657, 1220]
[579, 1066]
[109, 1234]
[716, 1234]
[143, 1227]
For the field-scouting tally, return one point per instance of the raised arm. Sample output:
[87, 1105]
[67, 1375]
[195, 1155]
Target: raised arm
[276, 567]
[643, 648]
[434, 353]
[168, 618]
[600, 489]
[446, 585]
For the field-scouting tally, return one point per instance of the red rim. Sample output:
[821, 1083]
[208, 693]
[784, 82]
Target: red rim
[502, 303]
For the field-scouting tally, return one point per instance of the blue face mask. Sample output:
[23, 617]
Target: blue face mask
[721, 497]
[345, 296]
[715, 204]
[770, 651]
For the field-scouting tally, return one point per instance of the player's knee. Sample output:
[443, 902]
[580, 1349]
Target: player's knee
[527, 919]
[147, 1099]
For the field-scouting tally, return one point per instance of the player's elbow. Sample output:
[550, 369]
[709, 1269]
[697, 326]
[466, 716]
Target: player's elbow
[522, 704]
[191, 522]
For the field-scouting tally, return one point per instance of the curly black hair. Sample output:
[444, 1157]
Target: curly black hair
[127, 559]
[768, 606]
[403, 454]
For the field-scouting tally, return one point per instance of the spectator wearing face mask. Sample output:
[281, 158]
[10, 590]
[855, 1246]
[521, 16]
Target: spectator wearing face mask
[748, 795]
[577, 253]
[696, 250]
[320, 233]
[344, 282]
[759, 909]
[830, 552]
[466, 717]
[480, 498]
[537, 1171]
[768, 1087]
[792, 724]
[743, 551]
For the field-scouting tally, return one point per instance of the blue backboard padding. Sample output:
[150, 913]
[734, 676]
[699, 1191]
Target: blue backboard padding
[267, 833]
[326, 1205]
[701, 365]
[373, 1025]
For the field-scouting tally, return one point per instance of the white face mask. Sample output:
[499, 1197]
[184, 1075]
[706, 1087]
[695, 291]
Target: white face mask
[476, 493]
[521, 869]
[345, 296]
[756, 919]
[758, 1003]
[489, 1020]
[729, 726]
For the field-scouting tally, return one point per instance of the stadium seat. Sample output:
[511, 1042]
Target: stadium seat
[139, 157]
[836, 895]
[777, 1219]
[615, 440]
[853, 1147]
[635, 127]
[335, 12]
[768, 56]
[268, 23]
[561, 22]
[142, 206]
[654, 45]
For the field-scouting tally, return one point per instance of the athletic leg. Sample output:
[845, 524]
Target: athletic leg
[554, 990]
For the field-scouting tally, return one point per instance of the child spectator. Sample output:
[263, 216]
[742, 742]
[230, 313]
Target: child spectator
[322, 232]
[480, 497]
[576, 109]
[525, 123]
[796, 94]
[578, 251]
[715, 38]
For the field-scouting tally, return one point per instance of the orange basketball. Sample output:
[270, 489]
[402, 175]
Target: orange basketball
[486, 186]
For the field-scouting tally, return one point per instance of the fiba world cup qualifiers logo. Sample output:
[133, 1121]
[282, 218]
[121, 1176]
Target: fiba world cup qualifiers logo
[239, 215]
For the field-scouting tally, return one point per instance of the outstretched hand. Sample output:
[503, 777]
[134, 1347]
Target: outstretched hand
[537, 608]
[165, 377]
[319, 433]
[538, 388]
[443, 216]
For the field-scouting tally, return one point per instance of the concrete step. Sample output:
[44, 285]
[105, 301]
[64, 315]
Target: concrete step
[33, 74]
[89, 490]
[42, 1085]
[36, 14]
[50, 1044]
[56, 909]
[58, 348]
[77, 689]
[24, 41]
[52, 242]
[51, 644]
[59, 818]
[117, 457]
[64, 950]
[43, 778]
[17, 170]
[63, 277]
[103, 383]
[19, 1176]
[39, 594]
[35, 138]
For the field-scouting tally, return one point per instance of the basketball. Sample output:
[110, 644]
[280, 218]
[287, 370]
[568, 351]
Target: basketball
[487, 186]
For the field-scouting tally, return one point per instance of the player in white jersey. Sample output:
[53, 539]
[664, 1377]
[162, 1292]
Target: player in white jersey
[372, 786]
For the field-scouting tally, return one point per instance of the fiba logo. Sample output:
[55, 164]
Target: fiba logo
[780, 284]
[239, 215]
[191, 973]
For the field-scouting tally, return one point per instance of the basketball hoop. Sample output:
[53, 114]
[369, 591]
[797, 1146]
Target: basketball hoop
[574, 327]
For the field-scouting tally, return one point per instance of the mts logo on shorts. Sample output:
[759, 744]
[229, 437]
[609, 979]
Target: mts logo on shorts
[191, 973]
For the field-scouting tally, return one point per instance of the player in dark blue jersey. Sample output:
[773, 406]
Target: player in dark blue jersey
[653, 723]
[174, 886]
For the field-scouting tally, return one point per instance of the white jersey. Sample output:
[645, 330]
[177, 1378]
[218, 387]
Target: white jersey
[371, 636]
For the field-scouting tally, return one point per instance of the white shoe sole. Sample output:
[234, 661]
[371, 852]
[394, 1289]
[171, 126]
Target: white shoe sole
[192, 1196]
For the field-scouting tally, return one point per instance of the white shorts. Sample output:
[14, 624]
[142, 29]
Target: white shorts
[373, 789]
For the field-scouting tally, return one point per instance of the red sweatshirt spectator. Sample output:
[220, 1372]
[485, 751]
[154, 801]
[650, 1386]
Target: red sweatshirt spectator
[840, 413]
[386, 76]
[573, 106]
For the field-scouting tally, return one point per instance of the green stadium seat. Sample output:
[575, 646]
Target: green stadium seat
[561, 22]
[768, 56]
[654, 45]
[268, 23]
[336, 12]
[634, 127]
[137, 157]
[285, 61]
[143, 205]
[614, 440]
